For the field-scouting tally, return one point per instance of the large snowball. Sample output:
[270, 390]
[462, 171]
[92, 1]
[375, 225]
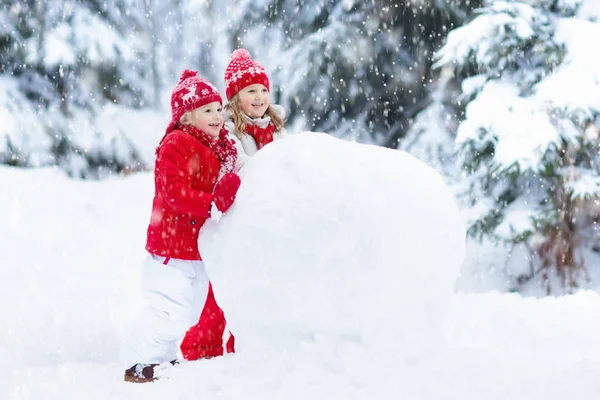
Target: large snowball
[336, 237]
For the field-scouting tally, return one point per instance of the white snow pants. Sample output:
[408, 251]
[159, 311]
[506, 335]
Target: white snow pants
[175, 293]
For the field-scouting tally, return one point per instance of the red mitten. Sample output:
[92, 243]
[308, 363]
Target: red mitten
[262, 136]
[225, 190]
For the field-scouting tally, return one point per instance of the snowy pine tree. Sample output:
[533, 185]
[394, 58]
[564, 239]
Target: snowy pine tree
[71, 72]
[528, 141]
[64, 65]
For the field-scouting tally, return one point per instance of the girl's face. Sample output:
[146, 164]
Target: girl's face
[255, 100]
[208, 118]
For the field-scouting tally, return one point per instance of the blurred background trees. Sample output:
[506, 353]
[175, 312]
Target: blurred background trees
[72, 71]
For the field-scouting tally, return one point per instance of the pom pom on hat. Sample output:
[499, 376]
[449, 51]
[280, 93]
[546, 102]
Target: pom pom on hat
[240, 53]
[187, 74]
[242, 71]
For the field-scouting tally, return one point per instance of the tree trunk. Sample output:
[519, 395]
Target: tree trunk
[155, 40]
[40, 15]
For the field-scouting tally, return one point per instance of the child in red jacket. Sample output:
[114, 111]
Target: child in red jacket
[251, 119]
[193, 174]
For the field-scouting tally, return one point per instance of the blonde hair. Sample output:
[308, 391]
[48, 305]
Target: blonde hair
[235, 110]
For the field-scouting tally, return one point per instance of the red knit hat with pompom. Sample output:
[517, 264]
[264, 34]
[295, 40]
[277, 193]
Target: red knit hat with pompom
[242, 71]
[191, 92]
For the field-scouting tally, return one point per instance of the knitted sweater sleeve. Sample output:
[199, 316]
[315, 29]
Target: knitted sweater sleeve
[174, 182]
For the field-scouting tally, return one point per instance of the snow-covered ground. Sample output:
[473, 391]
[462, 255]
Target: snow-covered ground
[70, 283]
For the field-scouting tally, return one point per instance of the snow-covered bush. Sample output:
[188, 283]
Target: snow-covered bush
[528, 143]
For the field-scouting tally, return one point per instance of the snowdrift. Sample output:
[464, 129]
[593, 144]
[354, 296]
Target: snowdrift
[339, 238]
[70, 284]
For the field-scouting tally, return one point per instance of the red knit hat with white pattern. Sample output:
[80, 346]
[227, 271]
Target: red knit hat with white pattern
[242, 71]
[191, 92]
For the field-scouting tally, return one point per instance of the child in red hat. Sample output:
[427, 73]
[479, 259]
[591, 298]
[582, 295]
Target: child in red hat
[194, 177]
[250, 116]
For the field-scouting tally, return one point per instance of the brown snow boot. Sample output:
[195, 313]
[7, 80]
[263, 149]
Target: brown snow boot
[142, 373]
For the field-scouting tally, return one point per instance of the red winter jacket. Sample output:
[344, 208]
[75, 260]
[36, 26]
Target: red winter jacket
[185, 173]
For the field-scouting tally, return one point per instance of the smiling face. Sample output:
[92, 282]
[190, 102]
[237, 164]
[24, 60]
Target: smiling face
[254, 100]
[208, 118]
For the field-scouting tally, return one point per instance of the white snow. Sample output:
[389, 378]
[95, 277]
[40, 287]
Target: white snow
[70, 273]
[472, 38]
[430, 137]
[473, 84]
[508, 120]
[84, 35]
[582, 183]
[589, 9]
[57, 49]
[20, 125]
[120, 125]
[351, 227]
[575, 86]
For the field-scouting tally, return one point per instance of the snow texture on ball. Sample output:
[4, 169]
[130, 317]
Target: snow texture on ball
[337, 237]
